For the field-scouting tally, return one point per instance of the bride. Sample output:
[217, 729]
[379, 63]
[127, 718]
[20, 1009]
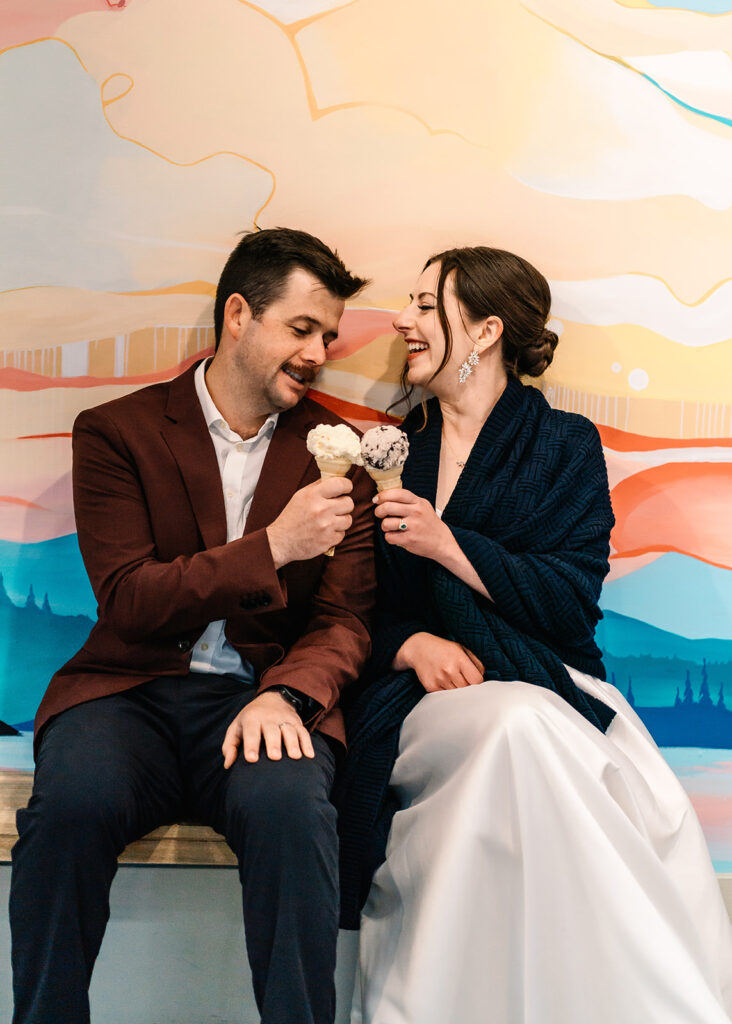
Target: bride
[543, 864]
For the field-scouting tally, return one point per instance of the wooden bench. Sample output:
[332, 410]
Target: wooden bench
[171, 844]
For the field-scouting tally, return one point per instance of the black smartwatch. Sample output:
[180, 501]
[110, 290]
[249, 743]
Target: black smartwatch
[306, 707]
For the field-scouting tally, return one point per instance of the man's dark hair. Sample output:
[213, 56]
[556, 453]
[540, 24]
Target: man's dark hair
[261, 263]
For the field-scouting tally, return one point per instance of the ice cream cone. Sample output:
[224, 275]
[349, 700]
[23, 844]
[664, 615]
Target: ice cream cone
[328, 469]
[386, 479]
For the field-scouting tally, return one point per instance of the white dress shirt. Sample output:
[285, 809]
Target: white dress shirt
[240, 463]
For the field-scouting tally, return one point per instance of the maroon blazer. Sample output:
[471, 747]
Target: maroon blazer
[152, 532]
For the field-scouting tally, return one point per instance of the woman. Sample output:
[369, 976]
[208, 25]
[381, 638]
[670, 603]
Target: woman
[544, 866]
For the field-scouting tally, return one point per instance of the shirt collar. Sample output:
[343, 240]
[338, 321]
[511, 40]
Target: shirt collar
[216, 422]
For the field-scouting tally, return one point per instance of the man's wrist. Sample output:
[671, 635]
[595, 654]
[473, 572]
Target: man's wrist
[307, 707]
[279, 555]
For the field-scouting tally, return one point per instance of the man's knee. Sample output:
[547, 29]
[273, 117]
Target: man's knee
[282, 799]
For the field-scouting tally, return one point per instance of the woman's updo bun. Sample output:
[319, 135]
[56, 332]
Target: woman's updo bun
[494, 282]
[533, 359]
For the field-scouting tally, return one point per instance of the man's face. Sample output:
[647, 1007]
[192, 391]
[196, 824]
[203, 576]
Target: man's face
[280, 354]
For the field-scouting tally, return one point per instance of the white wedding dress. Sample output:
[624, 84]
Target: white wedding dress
[540, 873]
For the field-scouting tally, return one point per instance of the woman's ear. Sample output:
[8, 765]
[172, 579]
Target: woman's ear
[489, 333]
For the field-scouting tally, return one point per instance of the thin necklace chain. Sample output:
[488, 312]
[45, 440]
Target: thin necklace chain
[460, 462]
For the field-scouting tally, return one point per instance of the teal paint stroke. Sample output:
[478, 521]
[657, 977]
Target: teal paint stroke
[698, 6]
[687, 106]
[676, 593]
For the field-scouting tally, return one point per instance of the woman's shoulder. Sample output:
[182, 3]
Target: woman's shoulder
[570, 425]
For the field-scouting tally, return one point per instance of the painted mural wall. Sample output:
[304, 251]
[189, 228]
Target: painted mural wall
[593, 137]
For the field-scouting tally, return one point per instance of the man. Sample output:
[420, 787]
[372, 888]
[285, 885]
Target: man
[208, 687]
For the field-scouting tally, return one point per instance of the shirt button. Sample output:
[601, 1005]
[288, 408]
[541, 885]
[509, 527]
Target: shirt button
[240, 447]
[204, 647]
[229, 494]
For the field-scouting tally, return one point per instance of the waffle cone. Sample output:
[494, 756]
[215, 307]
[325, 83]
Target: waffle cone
[328, 469]
[333, 467]
[386, 479]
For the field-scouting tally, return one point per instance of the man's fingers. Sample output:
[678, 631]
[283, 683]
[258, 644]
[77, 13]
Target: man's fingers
[252, 737]
[272, 741]
[333, 486]
[306, 743]
[230, 746]
[291, 739]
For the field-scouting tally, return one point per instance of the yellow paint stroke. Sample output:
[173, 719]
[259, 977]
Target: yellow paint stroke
[46, 39]
[121, 95]
[149, 149]
[316, 112]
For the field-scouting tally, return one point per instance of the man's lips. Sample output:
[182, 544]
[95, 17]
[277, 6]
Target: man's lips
[302, 375]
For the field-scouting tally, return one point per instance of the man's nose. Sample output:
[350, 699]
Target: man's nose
[315, 352]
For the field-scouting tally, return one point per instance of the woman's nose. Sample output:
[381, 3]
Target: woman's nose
[402, 322]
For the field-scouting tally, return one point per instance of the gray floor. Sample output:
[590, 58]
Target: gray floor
[173, 952]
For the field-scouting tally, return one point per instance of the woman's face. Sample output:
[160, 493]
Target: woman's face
[419, 325]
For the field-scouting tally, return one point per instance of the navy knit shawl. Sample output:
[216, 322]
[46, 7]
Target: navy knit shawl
[532, 512]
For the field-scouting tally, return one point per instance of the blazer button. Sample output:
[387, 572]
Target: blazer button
[265, 600]
[184, 645]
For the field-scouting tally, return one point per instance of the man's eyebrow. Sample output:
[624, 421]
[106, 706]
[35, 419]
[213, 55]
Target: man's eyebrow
[313, 321]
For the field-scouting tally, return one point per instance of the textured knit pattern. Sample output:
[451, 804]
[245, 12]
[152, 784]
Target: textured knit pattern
[532, 513]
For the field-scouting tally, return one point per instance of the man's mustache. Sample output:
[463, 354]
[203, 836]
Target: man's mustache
[308, 373]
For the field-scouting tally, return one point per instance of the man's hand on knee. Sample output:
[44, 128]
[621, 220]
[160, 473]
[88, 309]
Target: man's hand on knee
[271, 718]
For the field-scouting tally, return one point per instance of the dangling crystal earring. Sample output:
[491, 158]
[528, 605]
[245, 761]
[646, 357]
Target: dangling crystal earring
[466, 368]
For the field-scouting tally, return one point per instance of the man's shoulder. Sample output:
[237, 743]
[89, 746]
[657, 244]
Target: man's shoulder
[147, 402]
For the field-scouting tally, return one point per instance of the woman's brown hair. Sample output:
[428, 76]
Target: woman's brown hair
[494, 282]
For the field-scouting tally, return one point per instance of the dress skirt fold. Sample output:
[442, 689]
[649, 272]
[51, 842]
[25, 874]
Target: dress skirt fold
[540, 872]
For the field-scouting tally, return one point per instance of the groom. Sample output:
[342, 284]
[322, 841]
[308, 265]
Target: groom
[208, 688]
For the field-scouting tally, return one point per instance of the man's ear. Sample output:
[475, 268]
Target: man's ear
[489, 333]
[237, 315]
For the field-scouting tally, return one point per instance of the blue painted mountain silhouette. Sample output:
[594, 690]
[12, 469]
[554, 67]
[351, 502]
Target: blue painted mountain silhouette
[676, 684]
[34, 642]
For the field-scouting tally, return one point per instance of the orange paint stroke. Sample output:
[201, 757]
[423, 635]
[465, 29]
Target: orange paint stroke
[23, 380]
[120, 95]
[41, 437]
[358, 327]
[9, 500]
[682, 507]
[349, 410]
[622, 441]
[184, 288]
[316, 112]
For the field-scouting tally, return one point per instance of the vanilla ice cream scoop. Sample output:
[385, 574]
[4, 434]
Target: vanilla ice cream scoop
[335, 449]
[327, 441]
[384, 451]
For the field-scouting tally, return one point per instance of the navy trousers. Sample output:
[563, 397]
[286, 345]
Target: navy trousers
[111, 770]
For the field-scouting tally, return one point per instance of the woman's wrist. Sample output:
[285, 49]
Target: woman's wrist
[403, 657]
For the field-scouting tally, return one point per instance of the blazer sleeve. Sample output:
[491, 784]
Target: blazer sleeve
[139, 596]
[335, 643]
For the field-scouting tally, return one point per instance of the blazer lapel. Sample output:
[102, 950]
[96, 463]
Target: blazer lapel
[286, 463]
[186, 434]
